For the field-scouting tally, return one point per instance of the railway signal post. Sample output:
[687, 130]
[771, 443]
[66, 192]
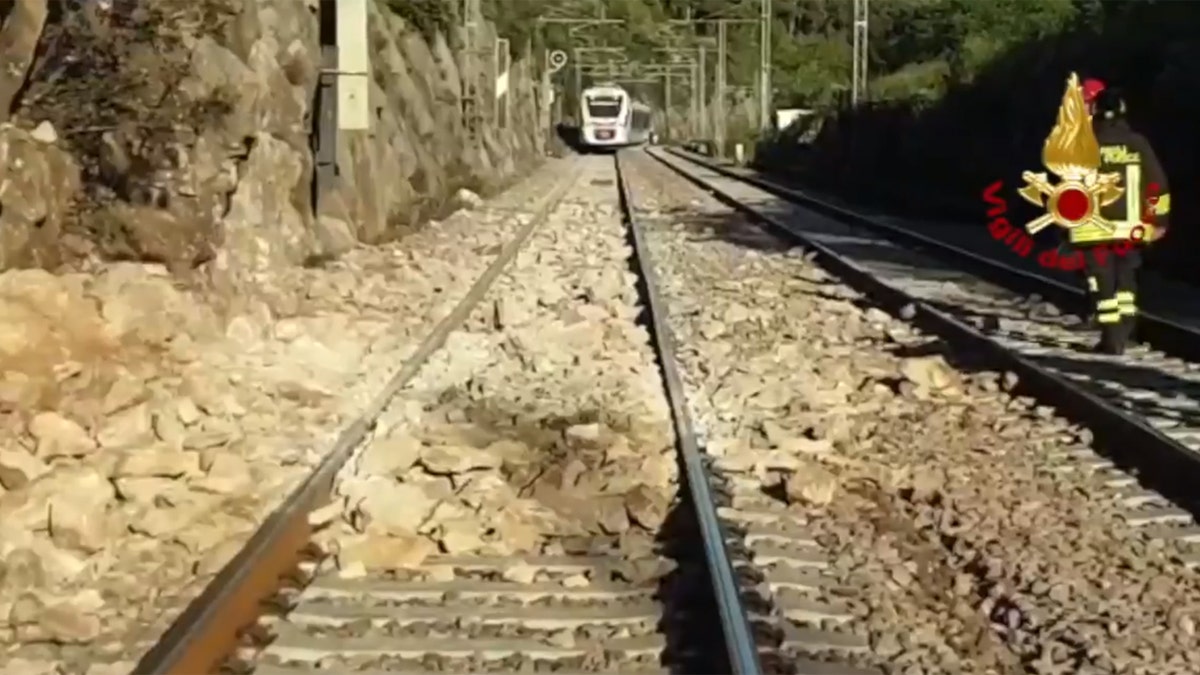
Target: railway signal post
[764, 67]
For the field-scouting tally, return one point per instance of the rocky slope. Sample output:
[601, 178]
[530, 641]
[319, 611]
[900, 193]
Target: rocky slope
[179, 132]
[189, 345]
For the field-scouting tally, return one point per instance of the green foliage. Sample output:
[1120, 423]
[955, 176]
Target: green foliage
[516, 20]
[427, 16]
[963, 92]
[810, 71]
[919, 49]
[923, 82]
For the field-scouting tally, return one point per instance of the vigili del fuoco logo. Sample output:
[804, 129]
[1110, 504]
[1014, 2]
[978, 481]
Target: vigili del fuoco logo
[1072, 154]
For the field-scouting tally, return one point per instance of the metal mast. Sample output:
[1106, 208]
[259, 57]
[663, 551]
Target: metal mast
[858, 80]
[764, 67]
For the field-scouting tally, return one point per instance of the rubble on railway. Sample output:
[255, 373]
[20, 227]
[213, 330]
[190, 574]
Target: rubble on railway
[167, 431]
[540, 427]
[530, 460]
[962, 543]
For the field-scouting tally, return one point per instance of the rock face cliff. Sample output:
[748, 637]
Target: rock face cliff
[189, 351]
[180, 132]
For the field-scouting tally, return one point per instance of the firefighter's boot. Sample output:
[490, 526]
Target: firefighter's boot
[1128, 331]
[1113, 339]
[1109, 345]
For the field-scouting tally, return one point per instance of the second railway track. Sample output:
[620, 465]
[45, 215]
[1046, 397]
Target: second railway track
[1020, 514]
[1144, 404]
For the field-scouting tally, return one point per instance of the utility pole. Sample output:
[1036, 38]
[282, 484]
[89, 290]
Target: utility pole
[858, 79]
[765, 93]
[694, 109]
[667, 102]
[470, 94]
[702, 85]
[501, 111]
[721, 70]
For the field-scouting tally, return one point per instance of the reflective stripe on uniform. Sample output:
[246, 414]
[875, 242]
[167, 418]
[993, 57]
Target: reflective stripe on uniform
[1163, 206]
[1108, 311]
[1086, 234]
[1093, 285]
[1126, 303]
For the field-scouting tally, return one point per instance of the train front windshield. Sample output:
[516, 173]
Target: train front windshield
[604, 107]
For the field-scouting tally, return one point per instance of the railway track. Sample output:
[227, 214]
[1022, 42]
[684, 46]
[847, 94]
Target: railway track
[583, 602]
[1143, 406]
[640, 589]
[737, 557]
[1169, 307]
[969, 527]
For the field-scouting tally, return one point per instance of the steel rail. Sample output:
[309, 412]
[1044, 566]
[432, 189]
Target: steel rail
[207, 631]
[735, 625]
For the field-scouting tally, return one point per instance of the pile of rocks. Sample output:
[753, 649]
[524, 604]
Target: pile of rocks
[931, 487]
[540, 427]
[146, 433]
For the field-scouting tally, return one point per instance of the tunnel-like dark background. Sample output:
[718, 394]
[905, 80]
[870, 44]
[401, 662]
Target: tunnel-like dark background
[931, 155]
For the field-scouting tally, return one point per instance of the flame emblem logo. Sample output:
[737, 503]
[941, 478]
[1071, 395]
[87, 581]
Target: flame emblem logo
[1071, 153]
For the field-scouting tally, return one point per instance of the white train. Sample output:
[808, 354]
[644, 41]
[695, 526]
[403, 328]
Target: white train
[610, 118]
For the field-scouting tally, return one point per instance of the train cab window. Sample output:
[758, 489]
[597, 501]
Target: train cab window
[604, 107]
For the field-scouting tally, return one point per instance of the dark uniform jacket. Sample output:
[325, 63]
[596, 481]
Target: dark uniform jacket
[1147, 199]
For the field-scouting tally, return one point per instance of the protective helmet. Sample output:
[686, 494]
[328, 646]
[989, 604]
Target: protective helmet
[1109, 103]
[1092, 88]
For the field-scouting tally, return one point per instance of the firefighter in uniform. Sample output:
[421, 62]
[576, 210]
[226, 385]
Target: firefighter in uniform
[1140, 217]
